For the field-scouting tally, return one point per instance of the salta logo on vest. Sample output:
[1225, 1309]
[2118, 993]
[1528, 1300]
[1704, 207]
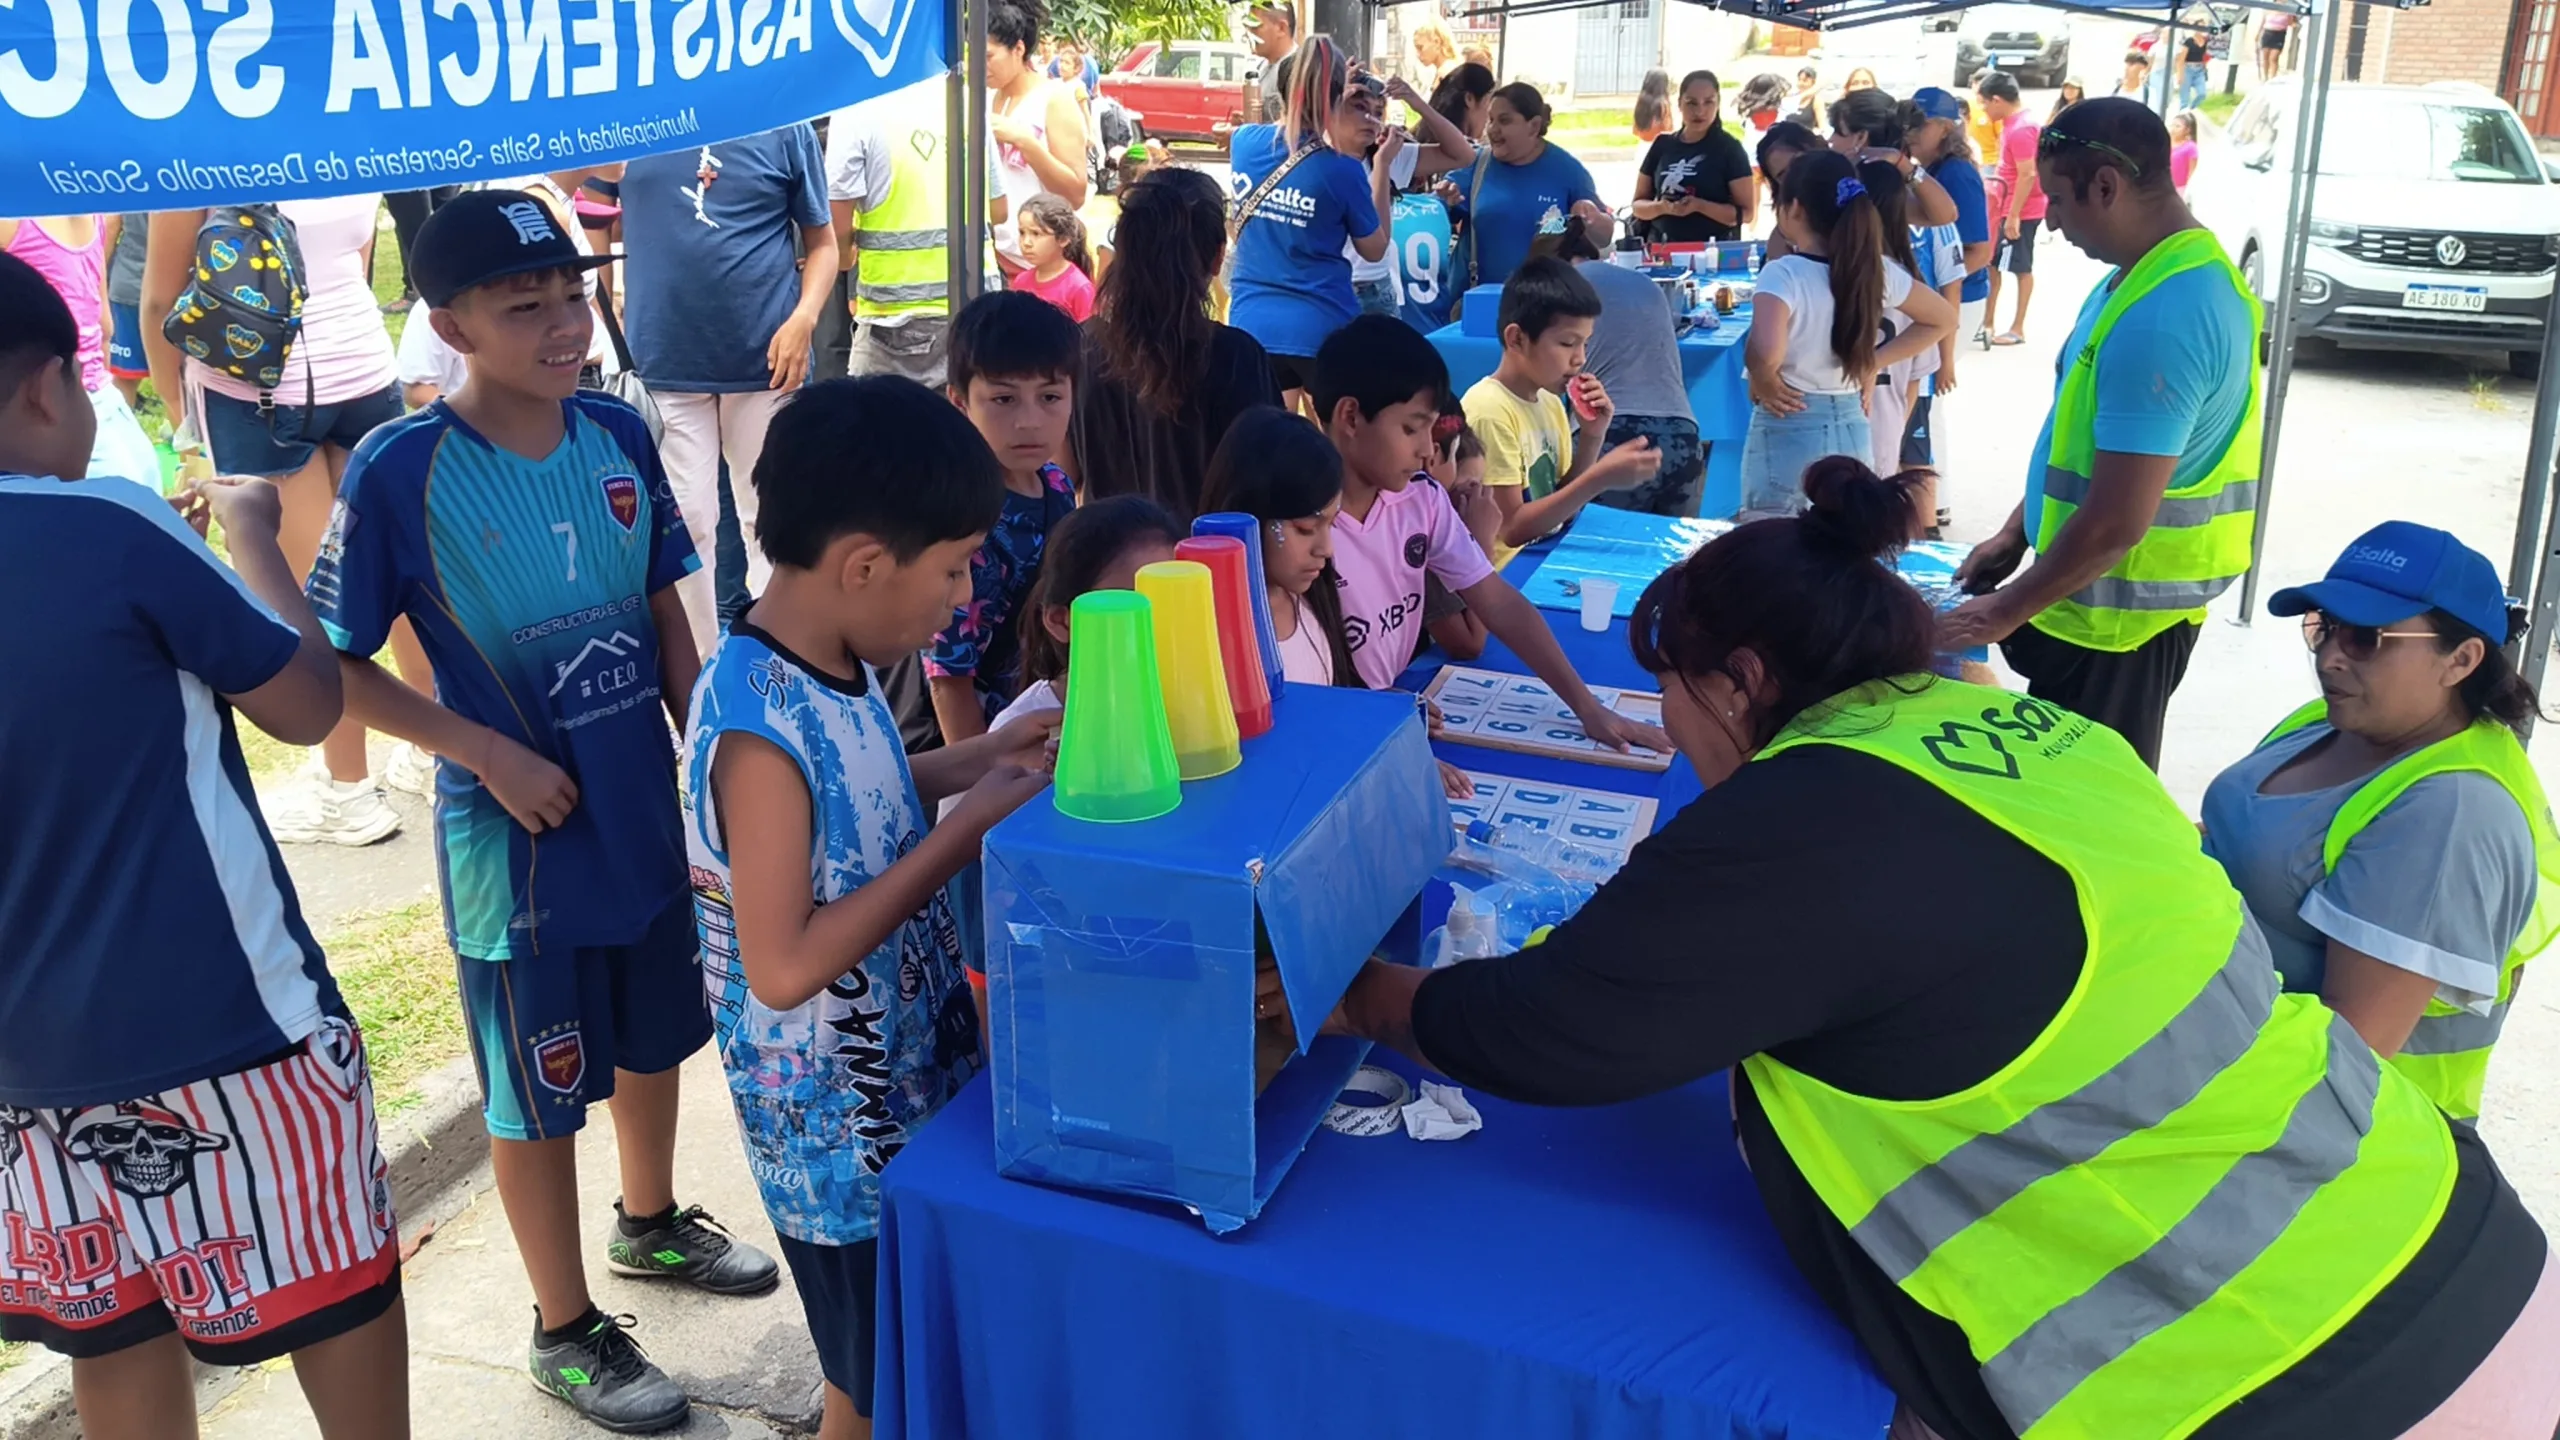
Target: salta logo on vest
[1972, 749]
[622, 497]
[877, 28]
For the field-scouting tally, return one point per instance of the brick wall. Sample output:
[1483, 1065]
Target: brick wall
[2445, 40]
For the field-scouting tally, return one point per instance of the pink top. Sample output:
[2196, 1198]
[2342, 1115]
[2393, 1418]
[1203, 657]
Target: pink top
[2018, 165]
[80, 278]
[1072, 291]
[1304, 656]
[2182, 163]
[1382, 561]
[344, 346]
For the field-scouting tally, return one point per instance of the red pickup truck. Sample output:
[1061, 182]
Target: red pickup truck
[1184, 90]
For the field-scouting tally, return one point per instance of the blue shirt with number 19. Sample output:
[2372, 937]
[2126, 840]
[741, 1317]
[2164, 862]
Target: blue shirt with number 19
[1422, 260]
[528, 582]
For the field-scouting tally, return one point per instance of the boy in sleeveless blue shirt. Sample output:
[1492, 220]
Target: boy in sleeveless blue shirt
[527, 531]
[831, 943]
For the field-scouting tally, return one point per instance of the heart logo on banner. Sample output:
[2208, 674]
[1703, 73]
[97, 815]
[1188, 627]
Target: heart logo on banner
[924, 142]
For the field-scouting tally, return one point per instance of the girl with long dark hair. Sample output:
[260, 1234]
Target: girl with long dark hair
[1163, 380]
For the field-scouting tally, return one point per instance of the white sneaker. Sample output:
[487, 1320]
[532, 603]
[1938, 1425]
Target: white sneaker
[323, 811]
[411, 770]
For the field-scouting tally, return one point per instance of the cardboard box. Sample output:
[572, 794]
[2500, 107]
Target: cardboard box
[1120, 958]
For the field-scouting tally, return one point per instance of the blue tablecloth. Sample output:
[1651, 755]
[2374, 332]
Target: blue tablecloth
[1711, 370]
[1596, 1273]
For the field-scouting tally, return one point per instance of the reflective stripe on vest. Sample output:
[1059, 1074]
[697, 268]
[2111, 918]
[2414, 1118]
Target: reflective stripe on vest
[2198, 542]
[2448, 1053]
[2181, 1187]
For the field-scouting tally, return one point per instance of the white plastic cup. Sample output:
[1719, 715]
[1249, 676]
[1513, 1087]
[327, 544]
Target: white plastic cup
[1599, 597]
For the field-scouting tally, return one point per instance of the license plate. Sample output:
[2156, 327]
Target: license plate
[2469, 298]
[2010, 58]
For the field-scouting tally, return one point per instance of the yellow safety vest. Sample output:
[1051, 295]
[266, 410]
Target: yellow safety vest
[2189, 1180]
[2448, 1054]
[2198, 542]
[902, 246]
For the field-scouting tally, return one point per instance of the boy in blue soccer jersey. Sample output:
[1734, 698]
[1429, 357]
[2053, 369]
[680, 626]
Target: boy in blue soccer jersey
[834, 957]
[526, 530]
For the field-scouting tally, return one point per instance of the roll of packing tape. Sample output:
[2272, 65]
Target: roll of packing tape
[1379, 1108]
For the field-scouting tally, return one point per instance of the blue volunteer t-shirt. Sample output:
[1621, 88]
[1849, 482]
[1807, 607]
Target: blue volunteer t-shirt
[149, 935]
[1516, 204]
[2173, 379]
[830, 1091]
[1421, 236]
[711, 264]
[528, 582]
[1962, 180]
[1290, 285]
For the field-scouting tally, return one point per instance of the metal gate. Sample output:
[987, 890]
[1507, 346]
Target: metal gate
[1613, 45]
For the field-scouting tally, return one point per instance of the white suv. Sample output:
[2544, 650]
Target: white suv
[2434, 224]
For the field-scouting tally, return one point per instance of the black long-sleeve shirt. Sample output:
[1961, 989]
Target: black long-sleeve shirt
[1854, 921]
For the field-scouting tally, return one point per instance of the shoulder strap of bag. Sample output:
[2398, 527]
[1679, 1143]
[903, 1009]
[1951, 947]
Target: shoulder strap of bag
[613, 331]
[1252, 202]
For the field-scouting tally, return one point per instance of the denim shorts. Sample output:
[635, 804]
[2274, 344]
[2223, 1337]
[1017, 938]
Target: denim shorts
[244, 442]
[1377, 297]
[1779, 448]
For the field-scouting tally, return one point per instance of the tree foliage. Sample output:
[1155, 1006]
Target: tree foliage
[1116, 25]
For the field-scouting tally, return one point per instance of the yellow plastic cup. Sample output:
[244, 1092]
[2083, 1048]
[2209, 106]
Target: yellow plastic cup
[1115, 756]
[1194, 671]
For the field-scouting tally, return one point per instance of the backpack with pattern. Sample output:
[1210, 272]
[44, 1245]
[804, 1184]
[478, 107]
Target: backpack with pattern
[242, 309]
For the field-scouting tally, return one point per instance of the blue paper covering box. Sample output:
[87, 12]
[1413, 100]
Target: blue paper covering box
[1120, 958]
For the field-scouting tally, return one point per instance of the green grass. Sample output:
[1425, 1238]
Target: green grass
[2218, 107]
[396, 971]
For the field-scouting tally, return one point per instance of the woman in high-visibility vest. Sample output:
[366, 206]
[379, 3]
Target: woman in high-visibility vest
[2012, 1069]
[2390, 837]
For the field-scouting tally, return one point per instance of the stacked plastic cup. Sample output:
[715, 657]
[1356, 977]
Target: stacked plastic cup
[1196, 707]
[1115, 750]
[1266, 640]
[1230, 593]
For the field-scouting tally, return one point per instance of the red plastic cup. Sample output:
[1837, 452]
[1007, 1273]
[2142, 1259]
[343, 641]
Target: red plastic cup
[1239, 648]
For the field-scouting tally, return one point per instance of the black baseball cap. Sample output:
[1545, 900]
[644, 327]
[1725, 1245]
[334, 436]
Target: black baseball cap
[484, 235]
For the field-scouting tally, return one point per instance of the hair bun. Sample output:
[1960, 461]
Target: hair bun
[1856, 510]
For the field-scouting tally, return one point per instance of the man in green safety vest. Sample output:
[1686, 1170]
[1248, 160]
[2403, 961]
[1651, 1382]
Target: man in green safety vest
[888, 179]
[2143, 491]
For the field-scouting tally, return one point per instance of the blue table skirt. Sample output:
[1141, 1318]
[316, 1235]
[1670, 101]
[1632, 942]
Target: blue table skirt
[1710, 369]
[1595, 1273]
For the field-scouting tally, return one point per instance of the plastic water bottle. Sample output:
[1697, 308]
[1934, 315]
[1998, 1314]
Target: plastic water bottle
[1473, 931]
[1535, 892]
[1759, 252]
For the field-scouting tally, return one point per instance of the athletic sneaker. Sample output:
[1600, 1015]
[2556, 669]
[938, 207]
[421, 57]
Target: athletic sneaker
[604, 1374]
[410, 770]
[323, 811]
[688, 1245]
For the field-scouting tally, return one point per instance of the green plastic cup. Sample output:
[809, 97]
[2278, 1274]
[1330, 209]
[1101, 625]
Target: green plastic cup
[1115, 749]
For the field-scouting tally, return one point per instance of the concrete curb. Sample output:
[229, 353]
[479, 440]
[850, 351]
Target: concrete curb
[434, 1147]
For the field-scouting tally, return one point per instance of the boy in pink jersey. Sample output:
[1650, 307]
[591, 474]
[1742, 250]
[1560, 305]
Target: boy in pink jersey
[1377, 388]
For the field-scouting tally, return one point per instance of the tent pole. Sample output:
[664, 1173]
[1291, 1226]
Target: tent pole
[2308, 123]
[959, 257]
[974, 224]
[2546, 592]
[2523, 568]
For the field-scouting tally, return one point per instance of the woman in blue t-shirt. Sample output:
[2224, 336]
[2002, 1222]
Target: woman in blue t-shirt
[1522, 187]
[1306, 196]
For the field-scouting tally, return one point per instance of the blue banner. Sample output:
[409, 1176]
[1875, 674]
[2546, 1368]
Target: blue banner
[109, 105]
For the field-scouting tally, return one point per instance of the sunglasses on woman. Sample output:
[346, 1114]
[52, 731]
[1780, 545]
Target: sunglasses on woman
[2357, 642]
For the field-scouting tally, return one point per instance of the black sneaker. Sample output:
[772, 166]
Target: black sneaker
[689, 1246]
[604, 1375]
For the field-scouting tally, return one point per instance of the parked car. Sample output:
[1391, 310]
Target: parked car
[1185, 90]
[2027, 41]
[2434, 224]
